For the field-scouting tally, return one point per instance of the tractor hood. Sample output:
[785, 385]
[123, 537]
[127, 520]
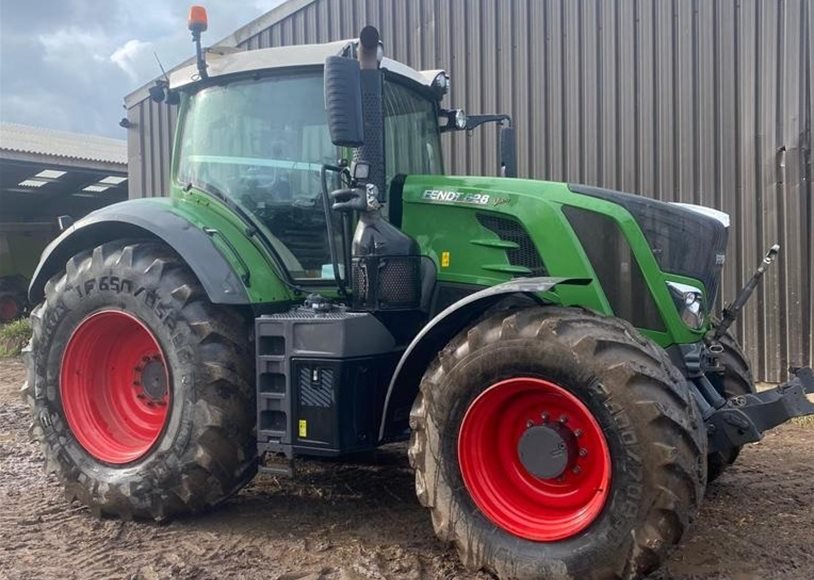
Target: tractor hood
[685, 239]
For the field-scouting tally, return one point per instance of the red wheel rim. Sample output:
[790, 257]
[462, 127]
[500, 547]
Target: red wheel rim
[501, 485]
[114, 387]
[9, 309]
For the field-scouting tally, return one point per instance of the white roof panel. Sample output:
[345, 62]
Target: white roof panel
[38, 141]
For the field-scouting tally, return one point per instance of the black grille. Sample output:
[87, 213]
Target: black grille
[387, 282]
[510, 230]
[683, 241]
[616, 267]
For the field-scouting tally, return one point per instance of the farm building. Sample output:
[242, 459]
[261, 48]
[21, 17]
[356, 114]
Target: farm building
[45, 174]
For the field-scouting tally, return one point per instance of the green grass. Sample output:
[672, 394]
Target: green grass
[13, 337]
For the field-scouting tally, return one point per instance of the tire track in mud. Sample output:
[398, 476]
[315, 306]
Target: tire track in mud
[361, 521]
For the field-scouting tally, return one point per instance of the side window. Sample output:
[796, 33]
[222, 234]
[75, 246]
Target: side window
[412, 139]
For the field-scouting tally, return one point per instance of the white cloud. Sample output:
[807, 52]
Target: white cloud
[129, 55]
[66, 43]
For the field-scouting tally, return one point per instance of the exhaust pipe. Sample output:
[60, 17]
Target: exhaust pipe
[372, 150]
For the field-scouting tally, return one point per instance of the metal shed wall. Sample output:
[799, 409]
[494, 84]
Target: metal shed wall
[699, 101]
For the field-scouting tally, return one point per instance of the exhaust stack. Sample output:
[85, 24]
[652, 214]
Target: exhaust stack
[372, 150]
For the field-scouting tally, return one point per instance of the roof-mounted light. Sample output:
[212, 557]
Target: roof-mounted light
[32, 183]
[441, 83]
[197, 20]
[113, 180]
[51, 174]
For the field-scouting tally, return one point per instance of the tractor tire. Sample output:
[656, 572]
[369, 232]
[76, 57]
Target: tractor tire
[735, 380]
[11, 308]
[547, 383]
[141, 389]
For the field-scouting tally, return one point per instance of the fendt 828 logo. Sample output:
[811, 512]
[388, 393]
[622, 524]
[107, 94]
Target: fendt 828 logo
[457, 196]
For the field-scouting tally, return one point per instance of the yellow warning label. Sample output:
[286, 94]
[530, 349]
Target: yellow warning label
[445, 259]
[303, 428]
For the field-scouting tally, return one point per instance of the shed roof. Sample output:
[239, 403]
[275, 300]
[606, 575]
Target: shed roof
[23, 139]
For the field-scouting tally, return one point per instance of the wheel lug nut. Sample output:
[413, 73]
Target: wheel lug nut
[544, 416]
[577, 432]
[145, 359]
[563, 419]
[583, 452]
[141, 396]
[576, 470]
[529, 424]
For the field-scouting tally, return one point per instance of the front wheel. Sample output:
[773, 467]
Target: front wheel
[552, 442]
[139, 386]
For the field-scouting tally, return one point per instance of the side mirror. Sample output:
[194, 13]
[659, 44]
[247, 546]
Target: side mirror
[343, 101]
[507, 151]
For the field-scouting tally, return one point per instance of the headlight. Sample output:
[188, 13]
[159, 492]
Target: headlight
[689, 302]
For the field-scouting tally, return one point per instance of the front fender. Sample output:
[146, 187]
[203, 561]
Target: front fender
[140, 219]
[442, 328]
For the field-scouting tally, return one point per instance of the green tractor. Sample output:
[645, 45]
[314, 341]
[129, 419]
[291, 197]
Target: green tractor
[315, 286]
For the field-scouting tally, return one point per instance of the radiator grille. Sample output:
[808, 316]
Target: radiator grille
[510, 230]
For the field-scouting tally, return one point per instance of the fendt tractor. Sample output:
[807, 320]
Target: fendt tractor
[315, 286]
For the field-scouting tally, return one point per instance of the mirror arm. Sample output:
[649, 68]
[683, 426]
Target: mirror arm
[473, 121]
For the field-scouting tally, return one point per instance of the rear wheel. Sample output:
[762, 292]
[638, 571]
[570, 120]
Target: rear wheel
[10, 308]
[140, 387]
[553, 442]
[735, 380]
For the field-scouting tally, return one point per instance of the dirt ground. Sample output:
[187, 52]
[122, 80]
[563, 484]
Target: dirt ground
[362, 521]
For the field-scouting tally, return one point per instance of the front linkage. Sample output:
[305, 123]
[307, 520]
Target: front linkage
[744, 418]
[733, 422]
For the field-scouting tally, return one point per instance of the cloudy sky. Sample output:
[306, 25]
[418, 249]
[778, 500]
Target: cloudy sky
[67, 64]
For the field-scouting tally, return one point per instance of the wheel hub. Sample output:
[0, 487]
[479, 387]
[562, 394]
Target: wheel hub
[153, 379]
[547, 451]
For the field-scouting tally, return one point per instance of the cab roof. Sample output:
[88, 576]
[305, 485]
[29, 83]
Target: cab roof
[227, 61]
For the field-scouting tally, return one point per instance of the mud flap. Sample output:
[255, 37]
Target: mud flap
[745, 418]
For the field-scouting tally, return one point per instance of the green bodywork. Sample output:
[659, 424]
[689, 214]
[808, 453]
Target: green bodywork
[474, 254]
[477, 256]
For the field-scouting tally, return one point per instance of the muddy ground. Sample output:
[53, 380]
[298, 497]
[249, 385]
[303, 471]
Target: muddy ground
[361, 521]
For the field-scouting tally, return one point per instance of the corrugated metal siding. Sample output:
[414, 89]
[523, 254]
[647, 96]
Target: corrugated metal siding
[682, 100]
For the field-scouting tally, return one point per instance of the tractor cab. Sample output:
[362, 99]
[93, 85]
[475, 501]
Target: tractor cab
[255, 133]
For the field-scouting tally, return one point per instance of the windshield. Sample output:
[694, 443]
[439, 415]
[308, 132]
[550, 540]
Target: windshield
[262, 143]
[412, 139]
